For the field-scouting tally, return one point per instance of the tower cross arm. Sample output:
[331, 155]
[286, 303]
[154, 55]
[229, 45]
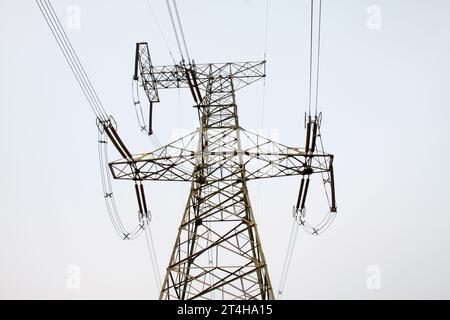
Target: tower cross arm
[180, 167]
[147, 167]
[196, 77]
[182, 76]
[172, 162]
[265, 158]
[262, 158]
[294, 162]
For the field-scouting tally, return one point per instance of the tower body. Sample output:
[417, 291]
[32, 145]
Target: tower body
[218, 252]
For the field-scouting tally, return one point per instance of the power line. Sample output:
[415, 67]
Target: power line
[71, 57]
[314, 57]
[265, 57]
[310, 56]
[266, 29]
[318, 55]
[288, 258]
[85, 84]
[181, 29]
[219, 179]
[152, 253]
[160, 30]
[175, 30]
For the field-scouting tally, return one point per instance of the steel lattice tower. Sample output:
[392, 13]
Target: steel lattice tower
[217, 252]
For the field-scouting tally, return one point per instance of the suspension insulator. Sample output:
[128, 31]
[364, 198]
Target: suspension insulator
[300, 192]
[191, 87]
[197, 89]
[313, 137]
[304, 194]
[308, 135]
[136, 188]
[150, 118]
[144, 202]
[118, 143]
[333, 196]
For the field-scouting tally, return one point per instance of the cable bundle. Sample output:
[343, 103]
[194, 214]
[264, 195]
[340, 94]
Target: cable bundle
[72, 59]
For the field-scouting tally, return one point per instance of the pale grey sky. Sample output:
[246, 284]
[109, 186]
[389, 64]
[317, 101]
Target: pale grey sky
[383, 93]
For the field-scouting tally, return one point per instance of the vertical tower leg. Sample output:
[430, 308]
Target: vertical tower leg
[218, 253]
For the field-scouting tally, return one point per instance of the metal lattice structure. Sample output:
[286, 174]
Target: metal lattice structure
[218, 252]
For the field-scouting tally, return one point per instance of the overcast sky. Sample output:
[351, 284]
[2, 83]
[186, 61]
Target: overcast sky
[384, 83]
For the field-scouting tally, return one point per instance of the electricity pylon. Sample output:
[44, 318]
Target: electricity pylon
[218, 252]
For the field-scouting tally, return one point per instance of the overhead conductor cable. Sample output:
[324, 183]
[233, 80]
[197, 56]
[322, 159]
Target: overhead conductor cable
[181, 30]
[175, 30]
[71, 57]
